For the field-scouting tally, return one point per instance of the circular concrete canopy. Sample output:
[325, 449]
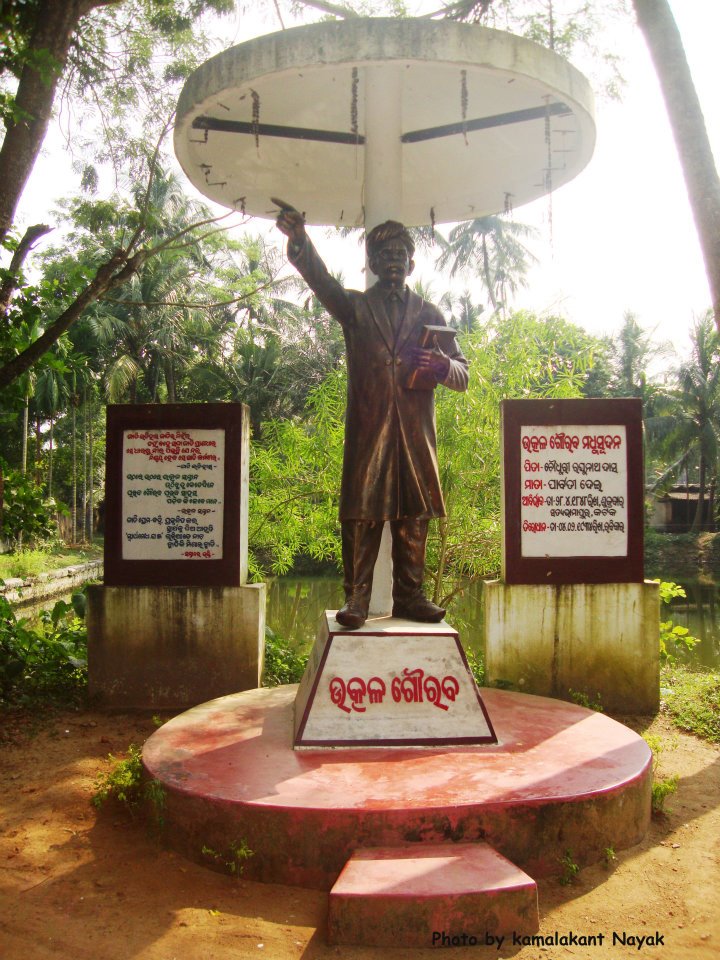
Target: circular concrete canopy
[487, 120]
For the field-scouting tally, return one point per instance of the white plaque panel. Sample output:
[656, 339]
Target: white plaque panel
[172, 494]
[574, 491]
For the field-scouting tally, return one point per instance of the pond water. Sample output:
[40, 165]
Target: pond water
[295, 606]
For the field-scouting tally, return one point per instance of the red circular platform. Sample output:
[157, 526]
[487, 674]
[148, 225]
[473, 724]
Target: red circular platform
[561, 778]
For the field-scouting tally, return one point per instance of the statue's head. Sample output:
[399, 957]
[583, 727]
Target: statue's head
[390, 251]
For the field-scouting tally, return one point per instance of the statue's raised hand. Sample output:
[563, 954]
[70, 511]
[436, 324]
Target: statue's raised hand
[290, 221]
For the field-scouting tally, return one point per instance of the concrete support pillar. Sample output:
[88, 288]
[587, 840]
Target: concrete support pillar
[601, 640]
[156, 648]
[382, 201]
[383, 147]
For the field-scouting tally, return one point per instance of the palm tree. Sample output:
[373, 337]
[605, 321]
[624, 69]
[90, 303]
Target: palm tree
[692, 431]
[464, 314]
[490, 248]
[632, 351]
[662, 36]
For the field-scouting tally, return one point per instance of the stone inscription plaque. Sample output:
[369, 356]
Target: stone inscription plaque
[176, 498]
[173, 494]
[572, 491]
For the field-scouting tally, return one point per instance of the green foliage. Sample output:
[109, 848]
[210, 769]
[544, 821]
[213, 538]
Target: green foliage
[570, 869]
[583, 700]
[673, 637]
[477, 666]
[610, 857]
[26, 563]
[45, 661]
[123, 783]
[233, 860]
[661, 790]
[691, 698]
[283, 663]
[126, 785]
[685, 432]
[519, 356]
[295, 484]
[30, 563]
[26, 512]
[296, 466]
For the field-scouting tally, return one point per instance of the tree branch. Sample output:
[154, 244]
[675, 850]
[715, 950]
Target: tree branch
[117, 269]
[332, 8]
[11, 281]
[191, 306]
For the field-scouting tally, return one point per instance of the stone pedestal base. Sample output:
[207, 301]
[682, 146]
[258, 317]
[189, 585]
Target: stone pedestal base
[393, 683]
[173, 647]
[601, 640]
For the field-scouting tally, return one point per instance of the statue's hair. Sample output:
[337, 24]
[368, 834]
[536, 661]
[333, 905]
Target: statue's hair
[388, 231]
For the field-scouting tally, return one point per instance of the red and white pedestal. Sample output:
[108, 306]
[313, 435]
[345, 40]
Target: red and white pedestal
[392, 683]
[421, 822]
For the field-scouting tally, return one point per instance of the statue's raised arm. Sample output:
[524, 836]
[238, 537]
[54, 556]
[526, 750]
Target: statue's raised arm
[306, 260]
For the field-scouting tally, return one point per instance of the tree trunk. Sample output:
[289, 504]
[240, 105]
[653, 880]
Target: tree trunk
[55, 25]
[25, 424]
[170, 381]
[710, 516]
[83, 500]
[697, 522]
[486, 274]
[50, 456]
[91, 504]
[73, 507]
[38, 448]
[688, 125]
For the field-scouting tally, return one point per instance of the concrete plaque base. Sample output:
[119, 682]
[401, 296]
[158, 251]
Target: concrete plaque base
[391, 683]
[596, 639]
[173, 647]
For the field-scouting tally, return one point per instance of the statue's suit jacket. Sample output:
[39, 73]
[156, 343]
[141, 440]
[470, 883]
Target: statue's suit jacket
[390, 466]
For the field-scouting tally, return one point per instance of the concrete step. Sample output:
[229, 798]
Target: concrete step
[447, 894]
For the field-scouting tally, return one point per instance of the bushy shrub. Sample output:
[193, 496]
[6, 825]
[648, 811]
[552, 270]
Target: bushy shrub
[47, 660]
[27, 514]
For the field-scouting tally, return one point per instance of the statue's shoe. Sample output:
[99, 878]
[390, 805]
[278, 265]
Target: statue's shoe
[353, 615]
[418, 608]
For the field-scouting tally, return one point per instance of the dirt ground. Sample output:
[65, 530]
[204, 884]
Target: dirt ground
[82, 884]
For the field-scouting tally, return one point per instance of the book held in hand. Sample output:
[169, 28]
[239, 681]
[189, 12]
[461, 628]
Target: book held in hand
[431, 336]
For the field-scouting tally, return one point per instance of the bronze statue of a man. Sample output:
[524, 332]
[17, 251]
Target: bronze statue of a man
[390, 467]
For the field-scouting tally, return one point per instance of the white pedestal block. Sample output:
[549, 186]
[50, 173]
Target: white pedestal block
[393, 683]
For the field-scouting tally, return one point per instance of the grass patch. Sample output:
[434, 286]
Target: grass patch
[691, 700]
[29, 563]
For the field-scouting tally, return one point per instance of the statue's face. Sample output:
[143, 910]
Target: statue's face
[391, 262]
